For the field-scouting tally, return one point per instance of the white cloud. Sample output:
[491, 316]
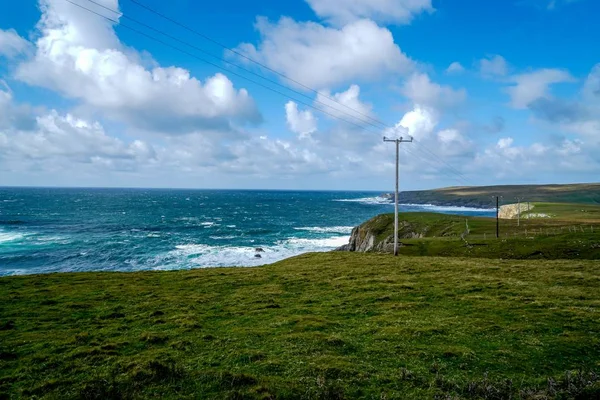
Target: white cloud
[345, 105]
[302, 123]
[452, 143]
[13, 115]
[578, 116]
[494, 66]
[505, 143]
[11, 44]
[421, 90]
[506, 160]
[455, 68]
[341, 12]
[321, 57]
[418, 123]
[61, 142]
[591, 87]
[79, 56]
[534, 85]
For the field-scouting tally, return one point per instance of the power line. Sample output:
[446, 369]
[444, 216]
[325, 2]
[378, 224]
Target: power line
[454, 170]
[230, 63]
[208, 38]
[436, 167]
[216, 65]
[460, 175]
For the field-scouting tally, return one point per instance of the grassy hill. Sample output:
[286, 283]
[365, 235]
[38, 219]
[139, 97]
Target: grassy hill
[572, 232]
[481, 196]
[566, 212]
[318, 326]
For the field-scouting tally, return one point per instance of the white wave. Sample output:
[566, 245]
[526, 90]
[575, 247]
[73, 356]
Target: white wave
[207, 224]
[378, 200]
[6, 237]
[201, 255]
[191, 249]
[327, 229]
[367, 200]
[51, 239]
[316, 244]
[222, 237]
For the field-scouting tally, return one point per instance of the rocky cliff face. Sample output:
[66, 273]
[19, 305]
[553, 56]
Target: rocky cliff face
[511, 211]
[377, 235]
[363, 240]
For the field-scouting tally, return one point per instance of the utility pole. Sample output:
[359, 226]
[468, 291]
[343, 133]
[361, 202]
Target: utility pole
[497, 216]
[519, 211]
[397, 141]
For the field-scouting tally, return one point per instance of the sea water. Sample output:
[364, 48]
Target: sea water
[45, 230]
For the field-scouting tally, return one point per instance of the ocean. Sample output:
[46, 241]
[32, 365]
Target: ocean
[44, 230]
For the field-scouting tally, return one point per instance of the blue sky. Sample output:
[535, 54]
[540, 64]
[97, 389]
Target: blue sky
[493, 92]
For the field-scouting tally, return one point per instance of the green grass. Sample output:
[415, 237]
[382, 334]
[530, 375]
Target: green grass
[329, 326]
[539, 238]
[566, 211]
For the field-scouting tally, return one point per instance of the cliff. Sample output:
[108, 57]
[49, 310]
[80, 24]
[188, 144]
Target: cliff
[512, 211]
[377, 234]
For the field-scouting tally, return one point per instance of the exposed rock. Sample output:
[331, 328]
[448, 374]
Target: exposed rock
[257, 256]
[511, 211]
[375, 235]
[259, 250]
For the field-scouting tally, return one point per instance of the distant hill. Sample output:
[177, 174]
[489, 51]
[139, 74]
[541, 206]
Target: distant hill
[481, 196]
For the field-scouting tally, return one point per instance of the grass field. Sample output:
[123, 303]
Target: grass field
[323, 326]
[565, 212]
[573, 234]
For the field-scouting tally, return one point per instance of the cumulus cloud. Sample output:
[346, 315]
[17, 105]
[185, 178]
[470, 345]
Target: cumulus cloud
[345, 105]
[321, 57]
[12, 45]
[493, 66]
[421, 90]
[59, 141]
[341, 12]
[14, 115]
[79, 56]
[302, 123]
[591, 87]
[455, 68]
[418, 123]
[578, 116]
[534, 85]
[436, 152]
[506, 159]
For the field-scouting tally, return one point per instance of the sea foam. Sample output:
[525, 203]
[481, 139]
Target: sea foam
[191, 255]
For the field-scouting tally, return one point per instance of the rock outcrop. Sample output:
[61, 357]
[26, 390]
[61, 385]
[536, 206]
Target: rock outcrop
[511, 211]
[377, 235]
[363, 240]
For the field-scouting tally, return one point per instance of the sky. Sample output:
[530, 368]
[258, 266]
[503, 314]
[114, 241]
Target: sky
[298, 94]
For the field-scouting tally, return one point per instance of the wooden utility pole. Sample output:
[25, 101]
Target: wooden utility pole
[497, 217]
[397, 141]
